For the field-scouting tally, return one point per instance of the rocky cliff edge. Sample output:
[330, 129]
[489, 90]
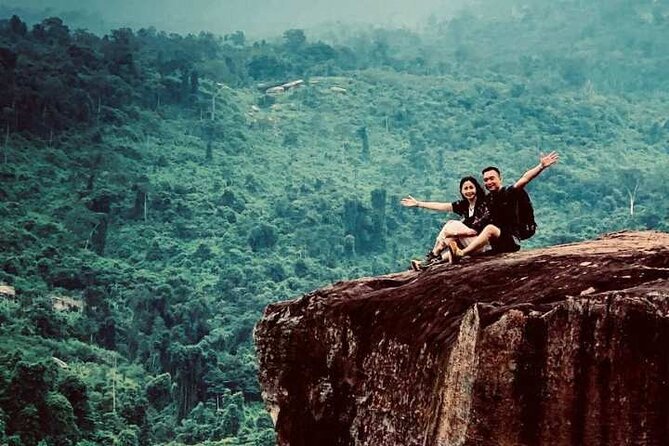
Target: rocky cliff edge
[567, 345]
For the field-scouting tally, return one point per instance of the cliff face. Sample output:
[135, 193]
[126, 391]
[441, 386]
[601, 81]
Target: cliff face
[567, 345]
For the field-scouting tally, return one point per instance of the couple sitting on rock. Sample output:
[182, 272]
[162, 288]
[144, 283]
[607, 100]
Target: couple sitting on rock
[489, 222]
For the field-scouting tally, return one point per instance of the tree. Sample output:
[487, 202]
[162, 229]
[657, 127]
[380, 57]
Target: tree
[358, 223]
[60, 424]
[294, 39]
[159, 391]
[128, 437]
[189, 363]
[46, 321]
[27, 424]
[266, 66]
[319, 52]
[194, 82]
[379, 218]
[379, 53]
[28, 388]
[17, 26]
[8, 59]
[263, 236]
[237, 38]
[364, 139]
[133, 407]
[629, 181]
[232, 417]
[55, 31]
[74, 389]
[119, 51]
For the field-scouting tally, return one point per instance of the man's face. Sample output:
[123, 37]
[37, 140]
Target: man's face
[492, 180]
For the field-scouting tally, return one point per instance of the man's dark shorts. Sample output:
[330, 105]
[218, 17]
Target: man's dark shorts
[507, 242]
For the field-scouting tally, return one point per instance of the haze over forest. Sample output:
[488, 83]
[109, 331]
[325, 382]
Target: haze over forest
[255, 17]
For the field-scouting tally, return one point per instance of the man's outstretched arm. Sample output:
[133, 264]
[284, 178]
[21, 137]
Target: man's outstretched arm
[411, 202]
[544, 163]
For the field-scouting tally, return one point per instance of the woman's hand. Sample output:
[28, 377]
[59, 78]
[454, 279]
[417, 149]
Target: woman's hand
[470, 232]
[409, 202]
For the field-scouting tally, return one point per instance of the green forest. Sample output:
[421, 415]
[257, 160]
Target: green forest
[158, 190]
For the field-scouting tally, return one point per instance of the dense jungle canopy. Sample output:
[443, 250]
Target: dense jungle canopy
[154, 197]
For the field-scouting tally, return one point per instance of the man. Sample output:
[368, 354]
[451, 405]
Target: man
[502, 232]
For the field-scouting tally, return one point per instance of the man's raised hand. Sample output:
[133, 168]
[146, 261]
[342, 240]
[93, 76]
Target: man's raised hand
[549, 160]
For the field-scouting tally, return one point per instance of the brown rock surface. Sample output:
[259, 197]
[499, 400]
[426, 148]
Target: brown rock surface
[567, 345]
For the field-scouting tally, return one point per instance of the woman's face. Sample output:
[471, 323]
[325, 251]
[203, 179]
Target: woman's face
[468, 190]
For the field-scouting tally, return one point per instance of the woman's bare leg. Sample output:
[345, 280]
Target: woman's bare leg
[452, 230]
[455, 228]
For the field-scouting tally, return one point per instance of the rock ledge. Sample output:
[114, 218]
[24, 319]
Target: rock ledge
[566, 345]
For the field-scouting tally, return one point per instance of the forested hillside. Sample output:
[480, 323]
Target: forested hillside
[156, 193]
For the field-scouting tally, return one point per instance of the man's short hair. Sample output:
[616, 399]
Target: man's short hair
[499, 174]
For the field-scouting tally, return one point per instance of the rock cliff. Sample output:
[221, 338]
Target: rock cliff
[567, 345]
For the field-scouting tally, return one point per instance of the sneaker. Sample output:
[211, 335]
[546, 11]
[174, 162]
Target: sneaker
[429, 262]
[420, 265]
[430, 259]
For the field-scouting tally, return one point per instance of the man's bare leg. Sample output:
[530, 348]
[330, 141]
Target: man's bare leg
[489, 233]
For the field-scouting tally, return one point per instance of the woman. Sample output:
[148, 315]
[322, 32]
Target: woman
[475, 216]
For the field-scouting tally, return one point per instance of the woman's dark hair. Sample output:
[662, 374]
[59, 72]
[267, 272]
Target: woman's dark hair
[480, 193]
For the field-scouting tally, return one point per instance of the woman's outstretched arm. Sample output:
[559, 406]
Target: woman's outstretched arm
[411, 202]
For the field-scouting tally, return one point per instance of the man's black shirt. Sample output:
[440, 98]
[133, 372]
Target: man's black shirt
[502, 206]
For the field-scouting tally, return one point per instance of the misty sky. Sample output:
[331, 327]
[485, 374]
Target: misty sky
[255, 17]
